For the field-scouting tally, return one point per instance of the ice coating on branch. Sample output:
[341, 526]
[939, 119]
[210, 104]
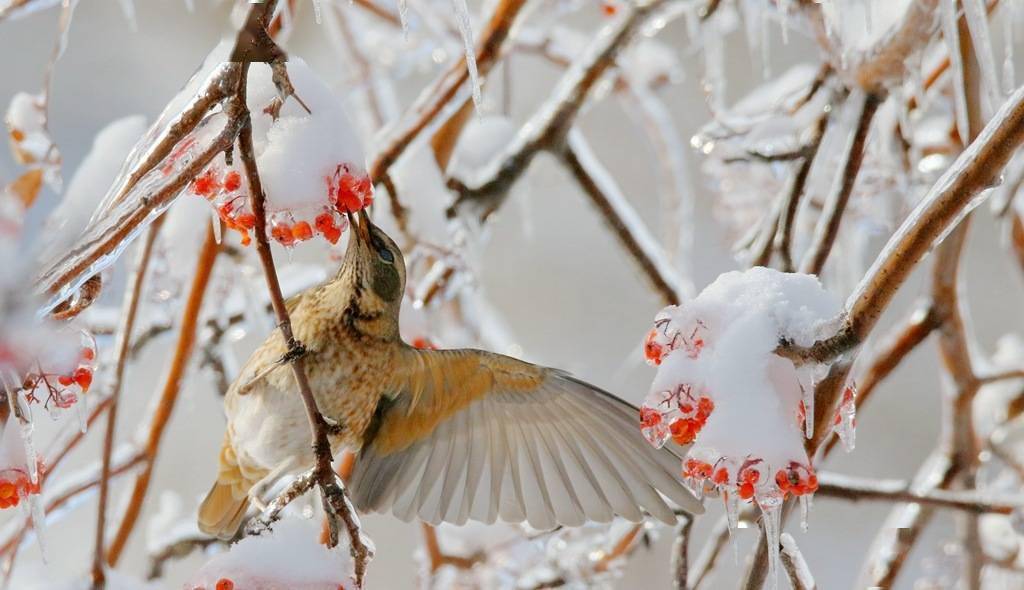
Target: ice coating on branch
[721, 387]
[290, 556]
[91, 180]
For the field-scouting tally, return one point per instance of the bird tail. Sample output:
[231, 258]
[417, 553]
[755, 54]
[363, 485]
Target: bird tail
[225, 505]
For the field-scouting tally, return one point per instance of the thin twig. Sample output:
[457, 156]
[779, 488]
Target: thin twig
[855, 489]
[124, 336]
[624, 222]
[828, 228]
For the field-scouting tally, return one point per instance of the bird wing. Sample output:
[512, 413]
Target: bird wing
[467, 434]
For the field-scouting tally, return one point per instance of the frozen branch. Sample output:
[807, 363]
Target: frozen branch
[796, 567]
[855, 489]
[680, 554]
[620, 216]
[828, 228]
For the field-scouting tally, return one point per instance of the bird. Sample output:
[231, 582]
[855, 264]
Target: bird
[438, 435]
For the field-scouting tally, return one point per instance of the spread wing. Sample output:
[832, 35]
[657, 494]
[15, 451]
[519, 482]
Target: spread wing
[474, 435]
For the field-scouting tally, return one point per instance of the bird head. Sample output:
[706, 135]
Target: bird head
[374, 268]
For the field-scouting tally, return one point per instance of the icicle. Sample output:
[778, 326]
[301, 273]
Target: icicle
[766, 42]
[845, 427]
[977, 24]
[32, 460]
[317, 15]
[807, 393]
[950, 33]
[770, 501]
[128, 8]
[466, 30]
[714, 68]
[805, 510]
[215, 220]
[38, 518]
[1008, 71]
[732, 512]
[83, 420]
[403, 17]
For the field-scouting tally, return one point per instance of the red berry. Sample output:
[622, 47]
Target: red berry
[88, 354]
[232, 181]
[301, 231]
[652, 348]
[649, 417]
[65, 380]
[721, 476]
[746, 490]
[282, 232]
[225, 584]
[83, 377]
[425, 344]
[206, 184]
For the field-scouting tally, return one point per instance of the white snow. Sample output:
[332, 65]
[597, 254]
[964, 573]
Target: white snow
[93, 177]
[291, 556]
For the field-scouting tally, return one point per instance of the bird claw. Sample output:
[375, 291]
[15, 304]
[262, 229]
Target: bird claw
[333, 428]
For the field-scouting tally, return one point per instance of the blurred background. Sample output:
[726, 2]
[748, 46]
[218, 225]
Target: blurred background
[568, 294]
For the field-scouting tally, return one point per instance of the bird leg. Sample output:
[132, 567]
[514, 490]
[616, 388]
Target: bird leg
[272, 512]
[259, 490]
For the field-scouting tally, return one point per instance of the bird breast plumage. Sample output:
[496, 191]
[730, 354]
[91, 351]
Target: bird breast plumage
[267, 421]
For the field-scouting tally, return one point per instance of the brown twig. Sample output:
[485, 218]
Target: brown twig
[124, 336]
[169, 395]
[334, 497]
[624, 222]
[828, 228]
[437, 559]
[844, 487]
[794, 564]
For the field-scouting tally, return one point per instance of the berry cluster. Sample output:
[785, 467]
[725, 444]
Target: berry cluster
[62, 390]
[679, 414]
[745, 480]
[226, 189]
[664, 338]
[15, 485]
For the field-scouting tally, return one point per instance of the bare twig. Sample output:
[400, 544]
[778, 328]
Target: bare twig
[624, 222]
[124, 336]
[844, 487]
[828, 228]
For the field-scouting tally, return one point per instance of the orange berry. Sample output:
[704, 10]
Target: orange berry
[649, 417]
[88, 354]
[282, 232]
[746, 490]
[206, 184]
[225, 584]
[65, 380]
[83, 377]
[246, 220]
[301, 231]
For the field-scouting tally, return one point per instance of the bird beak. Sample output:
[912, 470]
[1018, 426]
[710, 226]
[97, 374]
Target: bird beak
[362, 228]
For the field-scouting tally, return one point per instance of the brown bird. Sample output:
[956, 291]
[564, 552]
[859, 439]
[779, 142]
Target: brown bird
[441, 435]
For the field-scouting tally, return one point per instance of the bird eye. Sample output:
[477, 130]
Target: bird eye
[386, 255]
